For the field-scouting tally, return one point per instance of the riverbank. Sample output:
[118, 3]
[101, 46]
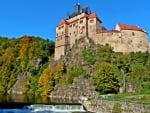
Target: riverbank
[94, 105]
[103, 106]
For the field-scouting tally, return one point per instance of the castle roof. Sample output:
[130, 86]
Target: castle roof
[130, 27]
[93, 15]
[62, 22]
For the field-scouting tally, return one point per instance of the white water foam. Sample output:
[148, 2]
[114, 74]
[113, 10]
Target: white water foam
[56, 108]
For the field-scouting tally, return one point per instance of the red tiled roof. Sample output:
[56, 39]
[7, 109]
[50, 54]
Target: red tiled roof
[63, 22]
[129, 27]
[108, 31]
[93, 15]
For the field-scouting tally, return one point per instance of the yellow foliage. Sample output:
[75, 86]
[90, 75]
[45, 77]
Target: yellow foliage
[60, 66]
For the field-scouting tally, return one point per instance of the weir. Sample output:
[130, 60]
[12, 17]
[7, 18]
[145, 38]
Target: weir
[56, 108]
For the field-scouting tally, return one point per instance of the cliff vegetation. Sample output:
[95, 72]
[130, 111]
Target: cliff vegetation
[27, 66]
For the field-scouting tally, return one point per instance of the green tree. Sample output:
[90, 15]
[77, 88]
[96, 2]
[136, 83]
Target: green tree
[123, 65]
[89, 56]
[106, 80]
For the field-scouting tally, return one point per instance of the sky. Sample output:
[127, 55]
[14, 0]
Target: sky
[40, 17]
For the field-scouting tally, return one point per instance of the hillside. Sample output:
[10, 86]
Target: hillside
[27, 66]
[22, 61]
[90, 68]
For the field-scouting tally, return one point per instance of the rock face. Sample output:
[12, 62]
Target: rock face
[101, 106]
[18, 87]
[80, 88]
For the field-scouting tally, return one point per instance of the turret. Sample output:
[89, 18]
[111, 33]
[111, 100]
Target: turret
[77, 8]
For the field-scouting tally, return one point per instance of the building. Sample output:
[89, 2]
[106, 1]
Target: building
[83, 23]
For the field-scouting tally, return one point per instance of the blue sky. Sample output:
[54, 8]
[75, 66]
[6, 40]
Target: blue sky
[40, 17]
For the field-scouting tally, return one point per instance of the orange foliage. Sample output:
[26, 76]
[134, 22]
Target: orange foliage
[60, 66]
[45, 75]
[25, 41]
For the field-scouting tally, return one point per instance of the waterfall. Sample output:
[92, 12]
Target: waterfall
[56, 108]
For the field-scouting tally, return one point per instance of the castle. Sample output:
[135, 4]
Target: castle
[83, 23]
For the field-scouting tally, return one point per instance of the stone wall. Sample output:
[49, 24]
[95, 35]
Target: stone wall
[124, 41]
[101, 106]
[136, 40]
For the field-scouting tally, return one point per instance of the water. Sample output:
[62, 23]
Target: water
[41, 108]
[37, 104]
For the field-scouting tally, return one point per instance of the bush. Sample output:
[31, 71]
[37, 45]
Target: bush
[116, 108]
[89, 56]
[76, 72]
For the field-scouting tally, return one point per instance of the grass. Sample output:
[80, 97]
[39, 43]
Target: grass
[129, 98]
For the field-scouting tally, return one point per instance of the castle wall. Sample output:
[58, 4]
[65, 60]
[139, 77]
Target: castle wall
[98, 26]
[77, 28]
[111, 38]
[125, 41]
[61, 40]
[59, 51]
[136, 40]
[92, 27]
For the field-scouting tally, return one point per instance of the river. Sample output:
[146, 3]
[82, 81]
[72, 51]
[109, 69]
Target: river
[37, 104]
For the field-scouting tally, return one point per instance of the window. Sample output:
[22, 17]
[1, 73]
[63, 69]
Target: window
[133, 34]
[70, 33]
[73, 25]
[81, 21]
[70, 25]
[91, 21]
[62, 33]
[83, 27]
[62, 26]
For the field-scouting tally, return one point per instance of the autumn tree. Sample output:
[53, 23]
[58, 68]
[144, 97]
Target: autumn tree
[106, 80]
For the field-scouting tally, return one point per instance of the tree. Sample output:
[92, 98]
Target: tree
[106, 80]
[89, 56]
[124, 68]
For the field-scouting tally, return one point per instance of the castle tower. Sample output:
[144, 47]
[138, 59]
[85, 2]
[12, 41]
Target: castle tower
[62, 39]
[94, 25]
[81, 23]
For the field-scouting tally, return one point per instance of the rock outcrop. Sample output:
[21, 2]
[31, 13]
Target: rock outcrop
[81, 88]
